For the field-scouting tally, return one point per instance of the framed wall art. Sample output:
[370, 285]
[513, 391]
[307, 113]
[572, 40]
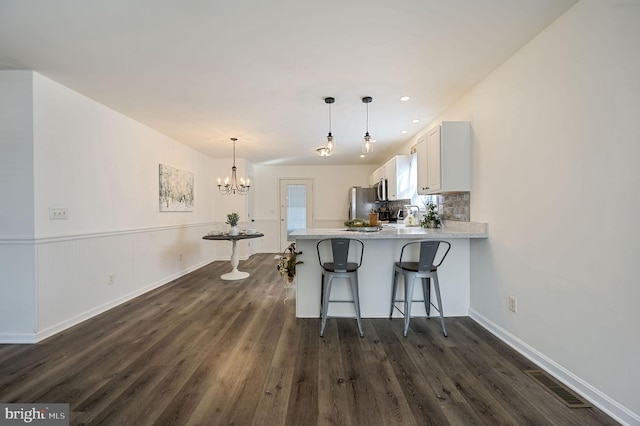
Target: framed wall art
[176, 189]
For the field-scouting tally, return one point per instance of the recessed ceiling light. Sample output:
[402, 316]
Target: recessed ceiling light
[404, 131]
[415, 121]
[405, 98]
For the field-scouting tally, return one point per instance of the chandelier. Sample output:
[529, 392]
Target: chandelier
[232, 186]
[327, 150]
[367, 145]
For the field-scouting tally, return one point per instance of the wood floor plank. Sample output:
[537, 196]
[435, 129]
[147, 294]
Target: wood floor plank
[333, 406]
[274, 399]
[431, 348]
[201, 350]
[422, 401]
[303, 400]
[244, 390]
[389, 402]
[273, 404]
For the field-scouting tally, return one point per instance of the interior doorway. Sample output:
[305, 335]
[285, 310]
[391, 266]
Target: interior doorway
[296, 207]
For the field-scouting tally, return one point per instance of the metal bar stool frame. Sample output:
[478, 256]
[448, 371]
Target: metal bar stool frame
[340, 267]
[426, 269]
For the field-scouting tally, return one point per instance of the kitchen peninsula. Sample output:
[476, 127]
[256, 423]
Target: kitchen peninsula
[381, 250]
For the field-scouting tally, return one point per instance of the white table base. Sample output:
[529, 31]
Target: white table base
[234, 274]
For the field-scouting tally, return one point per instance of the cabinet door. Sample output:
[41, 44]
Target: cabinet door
[421, 161]
[429, 170]
[376, 176]
[392, 182]
[434, 178]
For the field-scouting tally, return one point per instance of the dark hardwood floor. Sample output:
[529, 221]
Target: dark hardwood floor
[202, 351]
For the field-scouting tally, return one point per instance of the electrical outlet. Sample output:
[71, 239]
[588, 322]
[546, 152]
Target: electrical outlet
[58, 213]
[111, 279]
[513, 303]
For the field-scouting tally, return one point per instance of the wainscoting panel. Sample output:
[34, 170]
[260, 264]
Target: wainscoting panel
[80, 277]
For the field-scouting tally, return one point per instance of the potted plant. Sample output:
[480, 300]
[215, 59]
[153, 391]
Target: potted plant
[232, 221]
[287, 263]
[431, 219]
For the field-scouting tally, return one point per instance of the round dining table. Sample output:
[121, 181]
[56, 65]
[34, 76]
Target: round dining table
[234, 274]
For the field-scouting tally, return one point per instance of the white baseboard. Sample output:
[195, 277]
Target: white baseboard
[70, 322]
[593, 395]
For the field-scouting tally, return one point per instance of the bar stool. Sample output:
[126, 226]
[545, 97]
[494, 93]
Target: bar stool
[338, 266]
[426, 269]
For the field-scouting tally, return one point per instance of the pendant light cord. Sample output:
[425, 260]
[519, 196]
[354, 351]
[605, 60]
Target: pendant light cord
[367, 117]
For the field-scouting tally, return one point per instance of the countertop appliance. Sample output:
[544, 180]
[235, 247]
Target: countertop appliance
[384, 214]
[361, 201]
[381, 190]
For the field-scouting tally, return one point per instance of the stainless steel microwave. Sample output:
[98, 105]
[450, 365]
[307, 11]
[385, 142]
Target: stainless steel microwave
[381, 190]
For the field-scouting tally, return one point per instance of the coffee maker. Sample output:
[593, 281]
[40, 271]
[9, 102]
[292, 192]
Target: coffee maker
[384, 214]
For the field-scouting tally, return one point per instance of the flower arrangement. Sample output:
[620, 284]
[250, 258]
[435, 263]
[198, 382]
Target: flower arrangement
[288, 261]
[232, 219]
[432, 218]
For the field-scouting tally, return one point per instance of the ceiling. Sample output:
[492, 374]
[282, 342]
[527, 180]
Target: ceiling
[203, 71]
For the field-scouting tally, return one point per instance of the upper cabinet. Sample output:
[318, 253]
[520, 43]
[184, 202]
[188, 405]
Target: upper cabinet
[444, 158]
[378, 174]
[397, 173]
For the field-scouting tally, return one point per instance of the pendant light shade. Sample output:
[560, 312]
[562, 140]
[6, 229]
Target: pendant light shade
[367, 144]
[232, 186]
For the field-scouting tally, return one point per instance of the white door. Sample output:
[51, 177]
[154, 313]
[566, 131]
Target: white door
[296, 206]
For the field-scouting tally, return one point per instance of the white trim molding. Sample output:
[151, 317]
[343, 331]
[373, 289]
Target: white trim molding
[593, 395]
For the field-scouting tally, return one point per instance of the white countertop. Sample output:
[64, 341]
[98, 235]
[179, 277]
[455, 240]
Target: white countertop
[450, 230]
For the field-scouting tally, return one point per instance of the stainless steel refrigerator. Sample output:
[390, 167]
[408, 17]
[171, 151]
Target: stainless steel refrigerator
[361, 201]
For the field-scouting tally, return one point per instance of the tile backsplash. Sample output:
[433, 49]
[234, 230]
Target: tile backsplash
[455, 205]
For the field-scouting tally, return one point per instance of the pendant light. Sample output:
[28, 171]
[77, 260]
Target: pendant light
[331, 144]
[232, 186]
[327, 150]
[367, 145]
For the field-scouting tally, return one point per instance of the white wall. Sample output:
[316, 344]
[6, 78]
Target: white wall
[16, 159]
[74, 153]
[17, 254]
[103, 167]
[555, 174]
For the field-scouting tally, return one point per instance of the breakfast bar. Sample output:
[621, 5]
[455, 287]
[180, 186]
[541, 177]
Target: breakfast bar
[381, 250]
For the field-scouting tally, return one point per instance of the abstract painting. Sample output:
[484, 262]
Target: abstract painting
[176, 189]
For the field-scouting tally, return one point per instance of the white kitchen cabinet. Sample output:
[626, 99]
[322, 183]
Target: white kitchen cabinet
[398, 177]
[444, 158]
[378, 174]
